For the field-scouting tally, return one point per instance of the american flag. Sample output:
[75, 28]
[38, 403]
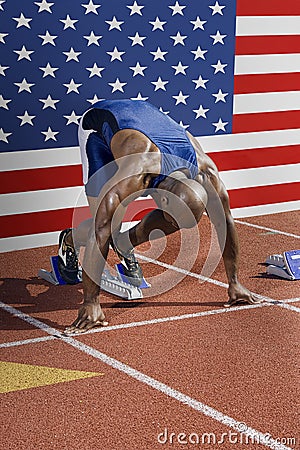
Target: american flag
[228, 72]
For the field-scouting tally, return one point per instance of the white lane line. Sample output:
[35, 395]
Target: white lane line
[160, 320]
[26, 341]
[175, 318]
[184, 271]
[31, 320]
[273, 230]
[201, 277]
[264, 439]
[290, 307]
[207, 410]
[210, 280]
[292, 300]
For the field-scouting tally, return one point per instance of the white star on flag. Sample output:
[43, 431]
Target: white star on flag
[92, 39]
[3, 102]
[23, 53]
[200, 112]
[137, 39]
[95, 70]
[135, 9]
[72, 55]
[199, 53]
[219, 67]
[183, 125]
[218, 38]
[94, 100]
[72, 86]
[47, 38]
[115, 54]
[2, 69]
[165, 112]
[159, 84]
[177, 9]
[158, 54]
[24, 86]
[48, 70]
[44, 6]
[49, 134]
[198, 23]
[220, 125]
[117, 85]
[138, 69]
[139, 97]
[216, 9]
[180, 68]
[68, 22]
[220, 96]
[26, 119]
[2, 36]
[49, 102]
[158, 24]
[180, 98]
[22, 21]
[90, 7]
[1, 7]
[178, 39]
[114, 24]
[72, 118]
[200, 82]
[4, 136]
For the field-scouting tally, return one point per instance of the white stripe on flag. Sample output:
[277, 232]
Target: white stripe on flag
[261, 176]
[282, 63]
[33, 159]
[267, 102]
[267, 25]
[246, 141]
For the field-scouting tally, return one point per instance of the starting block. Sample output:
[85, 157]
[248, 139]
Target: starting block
[116, 285]
[285, 266]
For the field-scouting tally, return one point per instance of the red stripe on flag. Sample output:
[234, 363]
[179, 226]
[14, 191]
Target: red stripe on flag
[273, 82]
[267, 121]
[55, 220]
[41, 178]
[256, 157]
[47, 221]
[267, 8]
[261, 45]
[33, 223]
[263, 195]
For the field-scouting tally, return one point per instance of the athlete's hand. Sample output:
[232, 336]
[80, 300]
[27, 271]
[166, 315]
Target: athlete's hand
[238, 293]
[89, 316]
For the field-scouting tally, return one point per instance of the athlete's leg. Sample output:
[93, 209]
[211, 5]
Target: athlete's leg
[181, 204]
[77, 237]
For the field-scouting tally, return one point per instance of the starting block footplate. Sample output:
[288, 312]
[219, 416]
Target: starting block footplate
[114, 284]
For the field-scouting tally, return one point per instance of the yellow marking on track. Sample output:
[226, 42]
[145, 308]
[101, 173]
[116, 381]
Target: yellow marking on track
[16, 376]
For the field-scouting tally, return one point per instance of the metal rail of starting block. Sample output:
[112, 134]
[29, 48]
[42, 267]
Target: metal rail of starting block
[115, 285]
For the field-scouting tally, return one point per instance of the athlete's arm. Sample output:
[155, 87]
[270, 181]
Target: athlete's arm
[131, 179]
[228, 237]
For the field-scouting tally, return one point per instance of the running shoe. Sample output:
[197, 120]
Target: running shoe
[132, 270]
[67, 259]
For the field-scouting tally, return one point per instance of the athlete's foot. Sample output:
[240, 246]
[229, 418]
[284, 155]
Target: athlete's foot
[67, 258]
[132, 270]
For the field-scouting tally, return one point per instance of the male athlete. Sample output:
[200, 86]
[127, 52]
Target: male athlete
[130, 148]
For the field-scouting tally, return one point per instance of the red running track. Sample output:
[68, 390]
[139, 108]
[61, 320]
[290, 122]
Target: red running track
[179, 370]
